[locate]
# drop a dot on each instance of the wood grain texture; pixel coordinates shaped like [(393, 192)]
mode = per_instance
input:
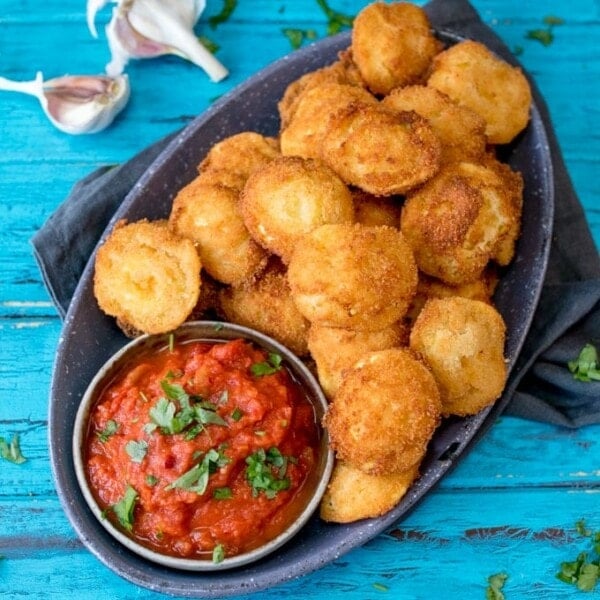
[(511, 505)]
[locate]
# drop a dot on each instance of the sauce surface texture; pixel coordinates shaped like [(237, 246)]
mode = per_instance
[(202, 449)]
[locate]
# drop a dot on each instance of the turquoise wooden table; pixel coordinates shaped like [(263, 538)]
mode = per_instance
[(510, 507)]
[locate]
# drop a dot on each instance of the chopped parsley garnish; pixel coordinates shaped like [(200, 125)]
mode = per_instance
[(237, 413), (267, 367), (380, 587), (136, 450), (151, 480), (12, 452), (223, 493), (336, 21), (545, 36), (495, 584), (110, 428), (124, 508), (196, 479), (297, 37), (226, 11), (265, 472), (584, 571), (211, 46), (586, 367), (218, 554), (164, 413)]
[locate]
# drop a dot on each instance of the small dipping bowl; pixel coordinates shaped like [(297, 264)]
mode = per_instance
[(209, 332)]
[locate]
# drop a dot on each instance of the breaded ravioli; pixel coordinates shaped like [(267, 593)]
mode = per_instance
[(353, 494), (147, 276), (392, 45), (353, 276), (335, 349), (462, 341), (473, 76), (380, 151), (209, 216), (266, 305), (461, 220), (384, 413), (290, 197)]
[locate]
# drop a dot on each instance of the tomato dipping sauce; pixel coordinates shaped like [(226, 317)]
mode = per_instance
[(202, 449)]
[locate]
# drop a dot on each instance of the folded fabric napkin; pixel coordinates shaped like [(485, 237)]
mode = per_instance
[(568, 316)]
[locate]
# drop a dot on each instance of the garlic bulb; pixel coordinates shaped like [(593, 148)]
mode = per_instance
[(76, 103), (150, 28)]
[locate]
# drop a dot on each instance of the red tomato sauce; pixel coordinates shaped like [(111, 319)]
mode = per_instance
[(198, 408)]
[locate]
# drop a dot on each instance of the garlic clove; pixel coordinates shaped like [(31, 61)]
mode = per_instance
[(76, 104), (150, 28)]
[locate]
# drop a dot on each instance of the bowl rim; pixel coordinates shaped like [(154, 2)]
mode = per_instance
[(209, 331)]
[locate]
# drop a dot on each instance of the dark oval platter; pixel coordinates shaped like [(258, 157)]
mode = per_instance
[(89, 337)]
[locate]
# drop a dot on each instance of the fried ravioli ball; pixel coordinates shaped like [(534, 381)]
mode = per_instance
[(380, 151), (266, 305), (460, 130), (384, 413), (292, 196), (460, 220), (303, 134), (335, 350), (241, 153), (475, 77), (462, 341), (353, 494), (392, 45), (147, 277), (375, 210), (353, 276), (342, 71), (209, 216)]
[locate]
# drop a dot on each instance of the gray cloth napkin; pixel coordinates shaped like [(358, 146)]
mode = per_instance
[(568, 316)]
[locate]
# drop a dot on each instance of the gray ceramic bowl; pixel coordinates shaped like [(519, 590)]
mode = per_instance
[(211, 331)]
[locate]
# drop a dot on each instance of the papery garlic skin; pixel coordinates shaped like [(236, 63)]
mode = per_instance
[(76, 104), (150, 28)]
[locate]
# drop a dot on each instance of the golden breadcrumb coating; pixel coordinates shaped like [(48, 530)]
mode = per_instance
[(147, 277), (375, 210), (353, 494), (384, 413), (266, 305), (462, 341), (290, 197), (353, 276), (392, 45), (209, 215), (335, 349), (460, 220), (475, 77), (460, 130), (380, 151)]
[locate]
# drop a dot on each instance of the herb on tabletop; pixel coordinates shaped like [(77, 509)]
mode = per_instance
[(12, 452), (586, 367), (584, 571), (336, 21), (226, 11), (380, 587), (297, 37), (545, 35), (495, 584)]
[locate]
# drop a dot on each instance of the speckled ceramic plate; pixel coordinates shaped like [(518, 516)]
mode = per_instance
[(89, 338)]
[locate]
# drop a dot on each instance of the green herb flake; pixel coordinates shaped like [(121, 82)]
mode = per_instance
[(137, 450), (226, 11), (297, 37), (495, 584), (552, 20), (151, 480), (171, 341), (211, 46), (584, 571), (125, 507), (196, 479), (237, 414), (12, 452), (336, 21), (110, 428), (586, 367), (380, 587), (544, 36), (265, 472), (268, 367), (218, 555), (222, 493)]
